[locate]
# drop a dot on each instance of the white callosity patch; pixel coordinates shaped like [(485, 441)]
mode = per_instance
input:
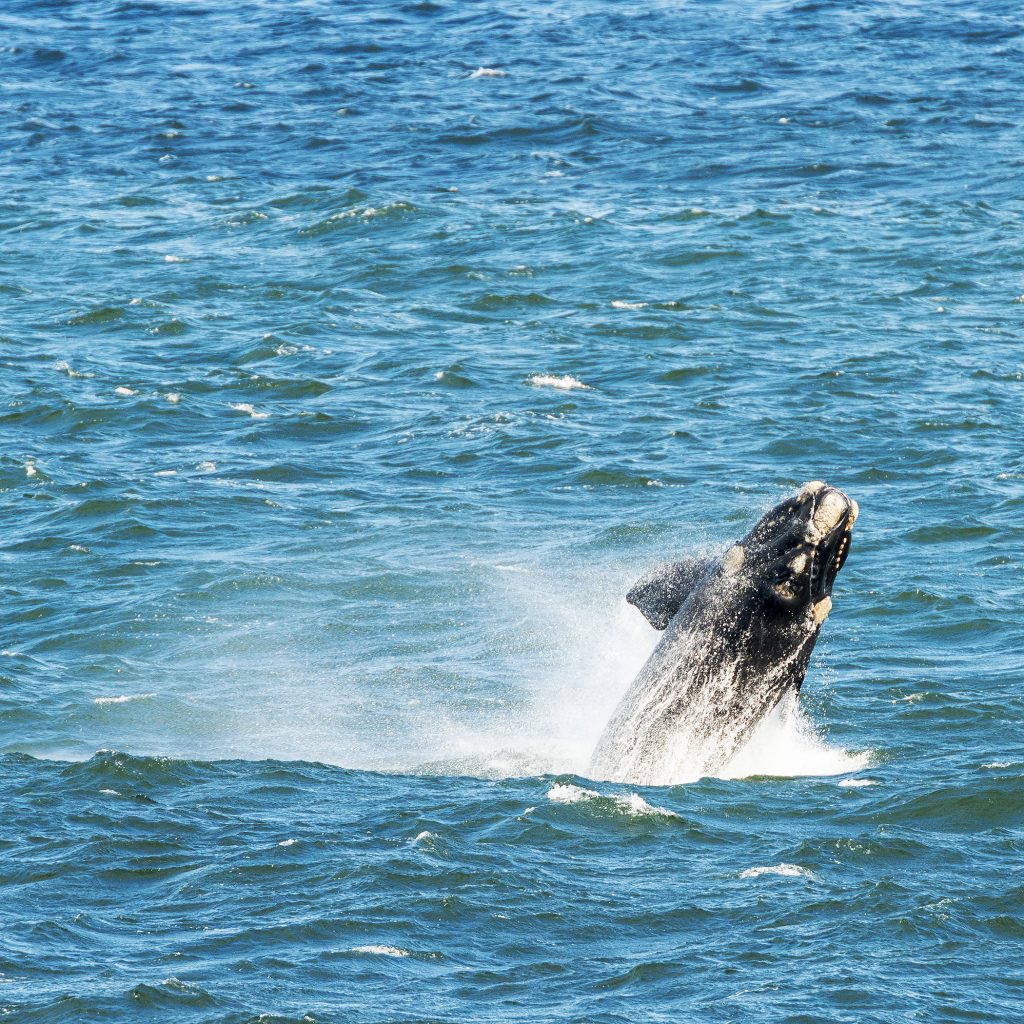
[(828, 512)]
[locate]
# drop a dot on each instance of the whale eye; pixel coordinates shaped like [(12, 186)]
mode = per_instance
[(785, 590)]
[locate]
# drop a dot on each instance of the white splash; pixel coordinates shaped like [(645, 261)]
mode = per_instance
[(564, 383), (622, 304), (124, 698), (173, 397), (380, 950), (488, 73), (124, 391), (787, 744), (287, 842), (785, 870), (857, 783)]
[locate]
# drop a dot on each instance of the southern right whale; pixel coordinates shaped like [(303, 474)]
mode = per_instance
[(739, 631)]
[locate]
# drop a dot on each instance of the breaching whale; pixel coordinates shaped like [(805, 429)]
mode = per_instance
[(739, 631)]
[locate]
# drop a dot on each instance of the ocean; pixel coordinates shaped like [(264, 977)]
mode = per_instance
[(355, 360)]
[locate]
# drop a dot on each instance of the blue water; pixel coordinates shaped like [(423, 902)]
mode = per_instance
[(356, 359)]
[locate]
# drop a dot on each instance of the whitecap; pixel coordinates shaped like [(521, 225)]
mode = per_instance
[(424, 837), (857, 783), (64, 367), (123, 698), (30, 469), (166, 472), (564, 383), (632, 804), (380, 950), (287, 842), (174, 259), (567, 793), (622, 304), (206, 466), (125, 391), (786, 870), (998, 764), (488, 73), (173, 397), (250, 409), (637, 806)]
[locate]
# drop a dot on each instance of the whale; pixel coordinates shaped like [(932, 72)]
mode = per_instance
[(738, 632)]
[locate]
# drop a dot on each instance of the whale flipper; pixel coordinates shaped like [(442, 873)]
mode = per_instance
[(661, 593)]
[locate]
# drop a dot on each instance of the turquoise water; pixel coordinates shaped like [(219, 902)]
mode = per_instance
[(356, 359)]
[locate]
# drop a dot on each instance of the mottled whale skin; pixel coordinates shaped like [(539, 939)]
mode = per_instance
[(739, 632)]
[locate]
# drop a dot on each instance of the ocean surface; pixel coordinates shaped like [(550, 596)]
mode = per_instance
[(355, 359)]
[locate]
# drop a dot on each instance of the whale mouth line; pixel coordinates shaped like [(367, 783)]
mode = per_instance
[(829, 552)]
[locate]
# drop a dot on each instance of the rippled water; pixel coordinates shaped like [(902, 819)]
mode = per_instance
[(355, 360)]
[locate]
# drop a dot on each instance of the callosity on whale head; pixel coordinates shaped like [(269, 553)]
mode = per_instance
[(794, 553), (739, 631)]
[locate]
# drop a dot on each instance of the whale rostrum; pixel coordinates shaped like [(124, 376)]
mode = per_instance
[(738, 636)]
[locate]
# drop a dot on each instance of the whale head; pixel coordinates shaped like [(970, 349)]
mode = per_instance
[(794, 553)]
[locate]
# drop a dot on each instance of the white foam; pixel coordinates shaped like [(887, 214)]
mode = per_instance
[(567, 793), (30, 469), (857, 783), (124, 698), (488, 73), (287, 842), (173, 397), (166, 472), (622, 304), (998, 764), (126, 392), (174, 259), (80, 548), (250, 409), (424, 837), (564, 383), (380, 950), (785, 870), (206, 466), (636, 805), (632, 803)]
